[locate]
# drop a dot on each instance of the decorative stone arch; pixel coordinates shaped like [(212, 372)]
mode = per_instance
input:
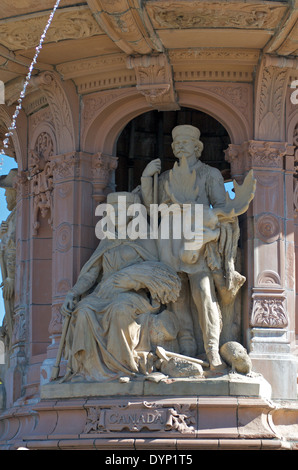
[(109, 116), (291, 128), (211, 99)]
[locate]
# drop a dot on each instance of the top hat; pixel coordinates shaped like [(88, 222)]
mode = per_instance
[(7, 181)]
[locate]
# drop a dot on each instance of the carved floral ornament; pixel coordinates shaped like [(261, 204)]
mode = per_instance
[(269, 311), (269, 302)]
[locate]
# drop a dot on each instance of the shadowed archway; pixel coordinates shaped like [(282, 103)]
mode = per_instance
[(148, 136)]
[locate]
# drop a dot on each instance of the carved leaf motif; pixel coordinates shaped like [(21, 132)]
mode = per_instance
[(269, 313), (181, 419), (93, 420)]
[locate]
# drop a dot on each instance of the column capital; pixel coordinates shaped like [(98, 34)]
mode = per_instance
[(257, 154)]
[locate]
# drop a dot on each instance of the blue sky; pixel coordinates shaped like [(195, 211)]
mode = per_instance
[(7, 164)]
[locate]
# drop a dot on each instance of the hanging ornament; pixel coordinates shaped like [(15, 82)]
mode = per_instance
[(28, 77)]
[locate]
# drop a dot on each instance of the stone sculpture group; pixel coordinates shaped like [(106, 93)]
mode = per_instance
[(150, 308), (146, 307)]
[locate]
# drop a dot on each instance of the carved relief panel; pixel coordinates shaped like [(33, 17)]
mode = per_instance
[(138, 417), (41, 176)]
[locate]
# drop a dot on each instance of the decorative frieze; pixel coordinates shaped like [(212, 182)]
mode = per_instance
[(70, 23), (197, 14)]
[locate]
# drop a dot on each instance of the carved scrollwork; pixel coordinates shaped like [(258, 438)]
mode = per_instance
[(217, 14), (268, 228), (63, 237), (68, 24)]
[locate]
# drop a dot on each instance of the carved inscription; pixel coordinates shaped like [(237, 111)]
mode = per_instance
[(140, 417)]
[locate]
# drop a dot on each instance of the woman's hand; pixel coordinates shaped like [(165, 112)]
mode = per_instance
[(3, 228), (126, 282), (8, 288), (69, 304)]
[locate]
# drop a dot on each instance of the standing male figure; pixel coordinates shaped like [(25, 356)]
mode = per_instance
[(203, 278)]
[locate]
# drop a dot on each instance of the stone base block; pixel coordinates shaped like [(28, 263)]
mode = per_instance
[(222, 385), (275, 366), (271, 357)]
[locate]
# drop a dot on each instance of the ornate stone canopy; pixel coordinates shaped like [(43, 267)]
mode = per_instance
[(89, 42)]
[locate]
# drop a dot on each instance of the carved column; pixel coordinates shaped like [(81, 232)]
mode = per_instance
[(103, 170), (268, 247), (295, 202), (17, 358)]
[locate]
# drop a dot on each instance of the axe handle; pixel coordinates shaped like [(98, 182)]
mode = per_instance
[(56, 367), (155, 188), (190, 359), (7, 303)]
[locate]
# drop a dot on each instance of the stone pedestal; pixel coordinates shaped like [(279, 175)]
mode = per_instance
[(221, 385), (82, 417), (271, 356)]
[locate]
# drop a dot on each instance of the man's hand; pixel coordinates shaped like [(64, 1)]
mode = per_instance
[(152, 168)]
